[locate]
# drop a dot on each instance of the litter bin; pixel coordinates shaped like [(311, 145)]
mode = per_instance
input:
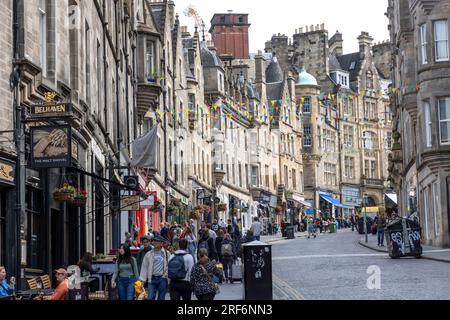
[(404, 238), (290, 232), (257, 271), (80, 294), (332, 227)]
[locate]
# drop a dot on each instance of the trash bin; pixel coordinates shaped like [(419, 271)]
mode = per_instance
[(290, 232), (404, 238), (333, 227), (80, 294), (257, 271), (284, 228)]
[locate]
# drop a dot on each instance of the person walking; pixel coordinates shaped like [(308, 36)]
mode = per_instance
[(207, 242), (155, 270), (311, 228), (228, 256), (381, 225), (6, 289), (202, 277), (179, 271), (192, 243), (125, 274), (256, 228), (146, 242)]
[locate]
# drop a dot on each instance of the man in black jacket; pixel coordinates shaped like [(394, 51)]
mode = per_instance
[(206, 242), (146, 242)]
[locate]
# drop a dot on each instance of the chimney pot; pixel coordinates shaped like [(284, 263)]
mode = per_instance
[(301, 30)]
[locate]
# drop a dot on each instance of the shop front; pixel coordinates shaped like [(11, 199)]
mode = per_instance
[(7, 214), (351, 197), (330, 207), (178, 207)]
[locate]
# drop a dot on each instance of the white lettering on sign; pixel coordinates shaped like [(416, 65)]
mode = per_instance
[(374, 281)]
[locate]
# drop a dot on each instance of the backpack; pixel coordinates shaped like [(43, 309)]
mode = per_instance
[(227, 249), (177, 270)]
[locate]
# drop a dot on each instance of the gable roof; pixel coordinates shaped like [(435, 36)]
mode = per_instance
[(352, 63)]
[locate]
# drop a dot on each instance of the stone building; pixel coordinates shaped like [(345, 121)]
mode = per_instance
[(348, 116), (421, 74), (7, 148), (79, 51)]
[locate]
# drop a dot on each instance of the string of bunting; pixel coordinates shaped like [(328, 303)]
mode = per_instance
[(325, 100)]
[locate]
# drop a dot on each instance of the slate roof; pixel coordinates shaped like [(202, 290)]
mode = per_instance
[(334, 63), (209, 59), (346, 62), (274, 73), (275, 90)]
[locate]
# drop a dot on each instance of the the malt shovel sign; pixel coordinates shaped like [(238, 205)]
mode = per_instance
[(51, 146)]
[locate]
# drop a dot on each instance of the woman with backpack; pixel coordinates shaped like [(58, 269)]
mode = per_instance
[(202, 282), (228, 256), (126, 274)]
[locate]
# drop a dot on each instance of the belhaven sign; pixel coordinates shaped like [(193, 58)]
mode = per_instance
[(52, 109)]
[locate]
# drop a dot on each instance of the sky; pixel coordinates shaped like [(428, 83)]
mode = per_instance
[(267, 18)]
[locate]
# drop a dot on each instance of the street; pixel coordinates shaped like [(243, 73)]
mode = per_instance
[(334, 267)]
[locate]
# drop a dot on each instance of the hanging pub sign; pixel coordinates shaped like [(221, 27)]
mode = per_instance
[(7, 170), (51, 146), (50, 108)]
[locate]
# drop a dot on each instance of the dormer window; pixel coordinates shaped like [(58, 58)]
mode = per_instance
[(353, 65)]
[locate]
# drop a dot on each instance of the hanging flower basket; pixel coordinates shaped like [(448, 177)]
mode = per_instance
[(65, 194), (221, 207), (195, 215), (279, 210), (79, 199)]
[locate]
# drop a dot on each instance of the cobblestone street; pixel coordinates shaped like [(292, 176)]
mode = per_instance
[(334, 266)]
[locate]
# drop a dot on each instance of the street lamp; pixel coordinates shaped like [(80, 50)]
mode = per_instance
[(365, 217)]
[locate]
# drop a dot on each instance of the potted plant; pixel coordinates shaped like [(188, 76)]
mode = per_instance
[(64, 194), (157, 206), (80, 198)]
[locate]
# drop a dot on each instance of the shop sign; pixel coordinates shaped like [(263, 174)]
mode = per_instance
[(130, 203), (50, 108), (51, 146), (6, 172)]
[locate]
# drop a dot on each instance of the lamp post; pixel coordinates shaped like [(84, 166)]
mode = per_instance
[(365, 217)]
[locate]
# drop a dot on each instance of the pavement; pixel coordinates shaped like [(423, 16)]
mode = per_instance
[(429, 253)]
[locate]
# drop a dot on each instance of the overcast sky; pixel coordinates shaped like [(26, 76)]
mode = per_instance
[(350, 17)]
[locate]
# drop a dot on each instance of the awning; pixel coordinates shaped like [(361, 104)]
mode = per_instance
[(301, 201), (334, 202), (393, 197)]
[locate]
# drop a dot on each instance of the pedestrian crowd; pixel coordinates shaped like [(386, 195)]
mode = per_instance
[(182, 261)]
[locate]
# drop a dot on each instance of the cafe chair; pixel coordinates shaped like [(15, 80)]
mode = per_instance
[(46, 282), (32, 283)]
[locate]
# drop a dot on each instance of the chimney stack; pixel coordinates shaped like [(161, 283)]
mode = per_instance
[(365, 44), (336, 44), (260, 68)]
